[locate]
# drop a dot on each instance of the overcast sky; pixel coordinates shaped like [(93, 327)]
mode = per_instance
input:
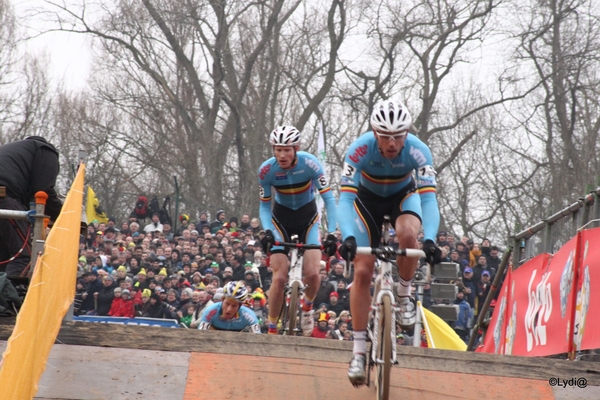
[(69, 54)]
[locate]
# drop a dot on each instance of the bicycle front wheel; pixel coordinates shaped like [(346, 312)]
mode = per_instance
[(384, 350), (293, 314)]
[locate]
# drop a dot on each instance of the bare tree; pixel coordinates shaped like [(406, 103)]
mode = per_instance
[(200, 84), (560, 41)]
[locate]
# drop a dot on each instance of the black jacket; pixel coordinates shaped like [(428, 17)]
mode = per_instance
[(29, 166)]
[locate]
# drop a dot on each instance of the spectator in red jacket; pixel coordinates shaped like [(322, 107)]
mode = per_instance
[(122, 305), (322, 327)]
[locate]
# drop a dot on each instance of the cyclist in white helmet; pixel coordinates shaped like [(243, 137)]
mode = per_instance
[(230, 314), (292, 176), (377, 180)]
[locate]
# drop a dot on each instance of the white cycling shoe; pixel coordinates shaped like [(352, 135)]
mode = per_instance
[(307, 322), (357, 372), (407, 315)]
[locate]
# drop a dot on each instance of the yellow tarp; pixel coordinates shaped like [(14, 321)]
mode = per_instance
[(93, 211), (51, 292), (439, 334)]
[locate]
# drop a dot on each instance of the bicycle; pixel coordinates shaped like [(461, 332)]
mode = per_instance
[(382, 328), (294, 289)]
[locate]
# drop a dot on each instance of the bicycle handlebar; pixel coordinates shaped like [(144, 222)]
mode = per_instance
[(301, 246), (389, 252)]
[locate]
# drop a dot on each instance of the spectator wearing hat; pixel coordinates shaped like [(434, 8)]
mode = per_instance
[(122, 305), (470, 286), (233, 224), (250, 281), (322, 327), (441, 238), (400, 339), (184, 220), (483, 289), (218, 222), (334, 303), (155, 225), (144, 307), (156, 308)]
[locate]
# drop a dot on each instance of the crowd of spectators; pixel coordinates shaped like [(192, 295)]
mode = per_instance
[(129, 271)]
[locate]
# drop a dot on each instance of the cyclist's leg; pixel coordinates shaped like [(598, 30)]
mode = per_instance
[(312, 259), (279, 264), (407, 226)]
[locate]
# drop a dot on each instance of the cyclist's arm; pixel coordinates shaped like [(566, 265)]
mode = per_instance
[(250, 319), (348, 189), (264, 185), (207, 315), (204, 326), (426, 187)]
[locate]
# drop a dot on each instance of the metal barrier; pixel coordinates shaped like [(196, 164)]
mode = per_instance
[(550, 234), (36, 217)]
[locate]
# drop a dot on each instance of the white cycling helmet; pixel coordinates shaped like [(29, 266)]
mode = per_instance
[(236, 290), (390, 116), (285, 136)]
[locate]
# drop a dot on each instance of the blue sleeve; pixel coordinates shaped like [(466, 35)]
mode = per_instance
[(264, 184), (250, 319), (426, 187), (349, 181)]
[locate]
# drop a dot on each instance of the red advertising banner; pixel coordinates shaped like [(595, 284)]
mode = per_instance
[(543, 305), (495, 338), (586, 333)]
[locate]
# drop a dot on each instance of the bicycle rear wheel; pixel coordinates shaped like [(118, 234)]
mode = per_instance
[(384, 351), (293, 308)]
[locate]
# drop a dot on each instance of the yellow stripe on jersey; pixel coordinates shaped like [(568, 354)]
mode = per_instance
[(265, 199), (327, 189), (385, 180), (294, 190), (350, 189)]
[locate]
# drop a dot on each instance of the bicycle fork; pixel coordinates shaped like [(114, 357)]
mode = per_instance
[(377, 309)]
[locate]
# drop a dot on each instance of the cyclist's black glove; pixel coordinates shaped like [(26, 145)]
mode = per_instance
[(348, 249), (433, 254), (267, 241), (330, 245)]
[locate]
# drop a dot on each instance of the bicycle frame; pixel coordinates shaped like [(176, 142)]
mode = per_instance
[(295, 269), (294, 289)]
